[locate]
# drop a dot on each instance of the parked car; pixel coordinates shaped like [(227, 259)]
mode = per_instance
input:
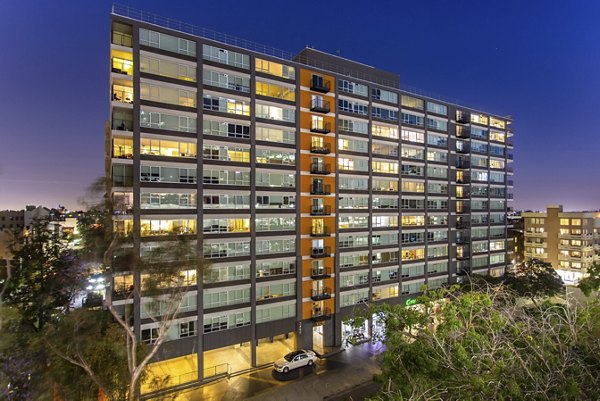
[(295, 360)]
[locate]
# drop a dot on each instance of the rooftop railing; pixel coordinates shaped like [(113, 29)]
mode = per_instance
[(154, 19)]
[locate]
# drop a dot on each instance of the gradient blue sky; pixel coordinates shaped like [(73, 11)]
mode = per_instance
[(536, 60)]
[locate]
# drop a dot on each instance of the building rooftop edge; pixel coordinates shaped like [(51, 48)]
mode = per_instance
[(189, 29)]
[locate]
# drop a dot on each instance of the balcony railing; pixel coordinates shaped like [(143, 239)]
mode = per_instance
[(122, 39), (465, 179), (320, 127), (122, 96), (324, 293), (323, 232), (122, 66), (464, 255), (463, 224), (323, 149), (463, 239), (319, 84), (320, 168), (463, 132), (319, 315), (509, 169), (320, 106), (462, 117), (122, 125), (463, 210), (324, 210), (463, 195), (463, 164), (320, 189), (464, 149), (323, 252), (320, 273)]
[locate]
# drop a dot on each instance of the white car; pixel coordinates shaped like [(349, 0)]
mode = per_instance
[(295, 360)]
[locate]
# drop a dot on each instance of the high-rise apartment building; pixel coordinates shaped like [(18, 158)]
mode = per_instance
[(568, 240), (313, 184)]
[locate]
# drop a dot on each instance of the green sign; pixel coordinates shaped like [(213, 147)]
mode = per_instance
[(410, 302)]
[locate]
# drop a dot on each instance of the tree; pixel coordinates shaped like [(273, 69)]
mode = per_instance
[(592, 282), (485, 344), (93, 358), (163, 287), (46, 275), (533, 279)]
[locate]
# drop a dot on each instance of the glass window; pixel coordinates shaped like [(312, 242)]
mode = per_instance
[(383, 95), (276, 69), (437, 108), (352, 87), (412, 102), (225, 56), (167, 42)]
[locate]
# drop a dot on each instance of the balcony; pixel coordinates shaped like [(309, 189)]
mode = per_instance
[(463, 224), (462, 117), (463, 132), (464, 149), (463, 210), (320, 127), (324, 210), (463, 164), (324, 293), (323, 252), (319, 315), (463, 255), (122, 39), (320, 106), (509, 169), (510, 156), (510, 144), (465, 179), (319, 84), (122, 66), (464, 268), (320, 168), (122, 95), (122, 125), (463, 239), (323, 232), (322, 149), (320, 189), (463, 195), (321, 273), (510, 183)]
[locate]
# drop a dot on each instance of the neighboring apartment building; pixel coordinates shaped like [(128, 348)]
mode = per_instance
[(313, 184), (515, 220), (568, 240), (12, 221)]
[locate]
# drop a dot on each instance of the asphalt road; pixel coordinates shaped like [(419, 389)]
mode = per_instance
[(331, 376)]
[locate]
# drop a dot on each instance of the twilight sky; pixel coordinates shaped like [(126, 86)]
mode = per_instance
[(537, 60)]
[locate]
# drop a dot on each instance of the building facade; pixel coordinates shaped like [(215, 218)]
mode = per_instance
[(568, 240), (313, 184)]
